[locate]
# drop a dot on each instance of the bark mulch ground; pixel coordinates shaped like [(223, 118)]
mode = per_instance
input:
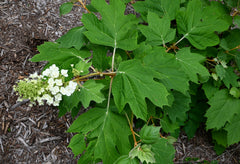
[(36, 134)]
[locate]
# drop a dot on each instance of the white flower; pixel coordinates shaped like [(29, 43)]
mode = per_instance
[(51, 82), (50, 101), (45, 96), (58, 82), (54, 90), (46, 72), (64, 72), (54, 74), (48, 98), (53, 68), (41, 91), (58, 97), (35, 75), (72, 85), (69, 91), (54, 71), (40, 100), (63, 91), (56, 103)]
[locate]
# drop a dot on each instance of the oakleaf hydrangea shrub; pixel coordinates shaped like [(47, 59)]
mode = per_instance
[(146, 78)]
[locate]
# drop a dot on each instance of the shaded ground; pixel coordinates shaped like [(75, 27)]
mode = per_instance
[(37, 135)]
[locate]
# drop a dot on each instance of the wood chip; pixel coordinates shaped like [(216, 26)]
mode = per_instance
[(49, 139)]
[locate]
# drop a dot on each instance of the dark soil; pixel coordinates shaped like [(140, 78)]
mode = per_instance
[(36, 134)]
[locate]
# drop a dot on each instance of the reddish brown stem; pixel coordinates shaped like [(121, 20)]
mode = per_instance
[(131, 128)]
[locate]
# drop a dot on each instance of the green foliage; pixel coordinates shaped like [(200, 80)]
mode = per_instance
[(233, 134), (158, 31), (237, 20), (143, 152), (232, 3), (223, 108), (74, 38), (151, 143), (69, 103), (77, 144), (126, 159), (81, 68), (160, 7), (235, 92), (114, 29), (66, 8), (130, 86), (178, 111), (198, 107), (149, 134), (231, 40), (62, 57), (166, 65), (100, 60), (108, 130), (165, 154), (227, 75), (221, 137), (175, 66), (190, 63), (91, 91), (198, 23)]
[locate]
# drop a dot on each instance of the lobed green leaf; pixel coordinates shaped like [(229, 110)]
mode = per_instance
[(159, 7), (114, 29), (143, 153), (73, 38), (198, 23), (51, 52), (91, 91), (178, 111), (163, 151), (110, 130), (168, 70), (223, 108), (190, 64), (77, 144), (149, 134), (233, 135), (132, 84), (158, 31)]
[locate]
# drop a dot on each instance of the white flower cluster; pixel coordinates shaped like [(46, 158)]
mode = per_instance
[(50, 87)]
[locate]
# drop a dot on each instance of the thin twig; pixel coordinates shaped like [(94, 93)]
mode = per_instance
[(19, 104), (22, 140), (1, 145), (131, 128), (49, 139), (110, 85), (84, 6), (113, 57), (109, 94), (175, 44), (95, 74)]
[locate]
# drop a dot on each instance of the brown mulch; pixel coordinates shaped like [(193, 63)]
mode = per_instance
[(36, 134), (30, 135)]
